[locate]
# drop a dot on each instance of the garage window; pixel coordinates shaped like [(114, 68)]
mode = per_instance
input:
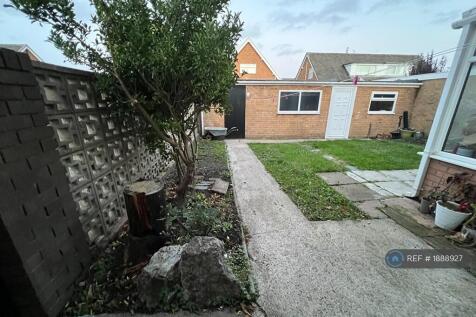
[(248, 69), (383, 102), (299, 102)]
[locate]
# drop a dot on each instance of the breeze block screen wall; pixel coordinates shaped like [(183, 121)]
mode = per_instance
[(64, 160)]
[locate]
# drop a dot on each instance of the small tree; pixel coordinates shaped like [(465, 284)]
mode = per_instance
[(169, 60), (427, 64)]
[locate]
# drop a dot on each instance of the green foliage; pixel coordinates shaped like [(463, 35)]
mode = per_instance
[(294, 167), (168, 60), (427, 64), (239, 264), (196, 218)]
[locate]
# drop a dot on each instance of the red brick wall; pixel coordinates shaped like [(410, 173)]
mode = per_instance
[(263, 120), (213, 119), (426, 102), (248, 55), (302, 74), (438, 172), (363, 122)]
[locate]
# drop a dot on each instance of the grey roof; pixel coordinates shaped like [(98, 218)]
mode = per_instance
[(14, 47), (330, 66)]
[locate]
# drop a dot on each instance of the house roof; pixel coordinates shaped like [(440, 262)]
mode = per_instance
[(330, 66), (248, 41), (21, 48)]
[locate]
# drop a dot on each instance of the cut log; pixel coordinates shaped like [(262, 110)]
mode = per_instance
[(145, 205)]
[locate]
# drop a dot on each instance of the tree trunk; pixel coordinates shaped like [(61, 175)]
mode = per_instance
[(145, 205)]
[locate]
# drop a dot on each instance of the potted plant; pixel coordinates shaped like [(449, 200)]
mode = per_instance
[(454, 203), (407, 133)]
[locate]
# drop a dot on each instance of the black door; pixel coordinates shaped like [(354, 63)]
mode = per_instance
[(236, 116)]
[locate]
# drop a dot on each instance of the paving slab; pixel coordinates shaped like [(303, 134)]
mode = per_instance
[(402, 175), (397, 188), (373, 176), (334, 268), (410, 207), (337, 178), (372, 208), (378, 190), (356, 177), (357, 192)]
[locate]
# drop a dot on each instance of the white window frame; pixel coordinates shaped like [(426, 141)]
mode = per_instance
[(464, 56), (372, 98), (246, 67), (299, 102)]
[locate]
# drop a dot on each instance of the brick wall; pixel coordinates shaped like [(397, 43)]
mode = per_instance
[(248, 55), (303, 71), (438, 172), (43, 247), (363, 123), (213, 119), (426, 102), (263, 120)]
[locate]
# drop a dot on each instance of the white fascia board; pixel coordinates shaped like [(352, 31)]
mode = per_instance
[(322, 83)]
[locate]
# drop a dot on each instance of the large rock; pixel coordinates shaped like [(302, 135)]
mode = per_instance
[(206, 279), (161, 272)]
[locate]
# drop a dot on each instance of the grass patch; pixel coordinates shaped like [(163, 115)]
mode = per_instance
[(294, 167), (373, 154)]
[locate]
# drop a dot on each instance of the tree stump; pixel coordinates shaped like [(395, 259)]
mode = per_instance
[(145, 205)]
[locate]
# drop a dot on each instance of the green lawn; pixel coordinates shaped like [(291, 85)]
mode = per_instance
[(294, 167), (373, 154)]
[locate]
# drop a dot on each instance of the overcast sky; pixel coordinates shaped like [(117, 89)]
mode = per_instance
[(285, 29)]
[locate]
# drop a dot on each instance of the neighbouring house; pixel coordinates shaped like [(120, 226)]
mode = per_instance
[(23, 48), (328, 104), (337, 67), (451, 145), (251, 64)]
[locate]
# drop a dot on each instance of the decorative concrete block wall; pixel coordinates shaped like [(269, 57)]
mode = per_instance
[(43, 246), (65, 158), (101, 151)]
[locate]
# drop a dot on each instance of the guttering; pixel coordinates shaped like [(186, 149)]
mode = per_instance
[(324, 83)]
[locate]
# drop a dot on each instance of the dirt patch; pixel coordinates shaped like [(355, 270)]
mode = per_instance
[(109, 285)]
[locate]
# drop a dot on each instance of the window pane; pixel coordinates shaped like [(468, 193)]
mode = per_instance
[(381, 105), (384, 96), (310, 101), (289, 101), (461, 138)]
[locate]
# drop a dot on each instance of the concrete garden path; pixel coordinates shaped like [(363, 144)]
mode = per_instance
[(334, 268)]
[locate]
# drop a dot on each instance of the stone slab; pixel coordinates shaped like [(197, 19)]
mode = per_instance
[(371, 208), (401, 175), (397, 188), (357, 192), (220, 186), (337, 178), (410, 208), (373, 176), (356, 177), (378, 190)]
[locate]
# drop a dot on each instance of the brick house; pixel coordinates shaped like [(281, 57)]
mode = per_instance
[(23, 48), (451, 145), (325, 103), (251, 64), (291, 109), (345, 66)]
